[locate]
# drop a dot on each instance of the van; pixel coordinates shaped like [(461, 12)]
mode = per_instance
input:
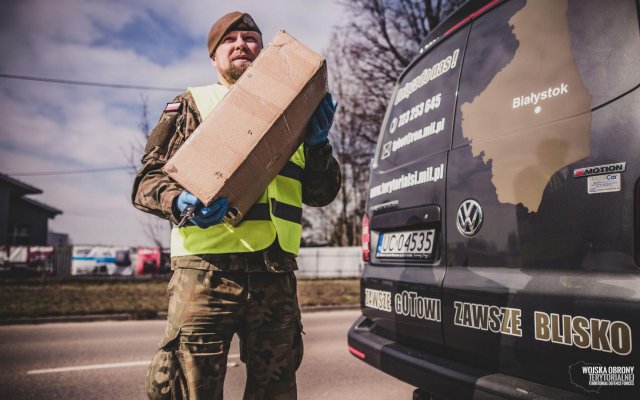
[(501, 238)]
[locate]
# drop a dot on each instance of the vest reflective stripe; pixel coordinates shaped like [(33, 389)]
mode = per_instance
[(292, 170), (286, 211), (285, 198), (259, 212), (277, 213)]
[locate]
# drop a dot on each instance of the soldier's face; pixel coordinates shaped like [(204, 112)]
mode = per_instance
[(235, 53)]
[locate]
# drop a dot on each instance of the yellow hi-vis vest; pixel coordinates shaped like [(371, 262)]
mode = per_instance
[(277, 213)]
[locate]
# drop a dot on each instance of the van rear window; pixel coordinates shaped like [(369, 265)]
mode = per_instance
[(420, 116)]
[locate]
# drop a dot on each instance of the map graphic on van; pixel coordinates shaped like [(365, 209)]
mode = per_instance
[(534, 116)]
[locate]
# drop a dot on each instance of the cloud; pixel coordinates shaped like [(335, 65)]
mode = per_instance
[(55, 127)]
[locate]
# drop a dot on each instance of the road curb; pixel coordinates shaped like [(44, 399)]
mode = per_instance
[(138, 317), (84, 318)]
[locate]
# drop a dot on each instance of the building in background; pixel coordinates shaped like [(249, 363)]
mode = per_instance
[(23, 221), (57, 239)]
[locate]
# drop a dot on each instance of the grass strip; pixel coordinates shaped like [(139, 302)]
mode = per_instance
[(145, 298)]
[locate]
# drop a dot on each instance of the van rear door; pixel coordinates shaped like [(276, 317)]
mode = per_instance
[(401, 286), (541, 281)]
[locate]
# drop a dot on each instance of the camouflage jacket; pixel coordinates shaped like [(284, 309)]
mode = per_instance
[(154, 192)]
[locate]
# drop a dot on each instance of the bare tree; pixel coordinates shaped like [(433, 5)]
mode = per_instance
[(154, 228), (366, 58), (136, 148)]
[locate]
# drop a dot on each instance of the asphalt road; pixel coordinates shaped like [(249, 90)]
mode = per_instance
[(108, 360)]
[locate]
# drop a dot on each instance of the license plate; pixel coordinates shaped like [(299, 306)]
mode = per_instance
[(406, 244)]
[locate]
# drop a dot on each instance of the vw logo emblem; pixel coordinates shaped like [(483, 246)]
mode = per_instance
[(469, 218)]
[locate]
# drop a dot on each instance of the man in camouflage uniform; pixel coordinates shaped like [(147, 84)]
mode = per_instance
[(214, 295)]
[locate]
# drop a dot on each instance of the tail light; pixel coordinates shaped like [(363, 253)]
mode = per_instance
[(366, 236), (356, 353)]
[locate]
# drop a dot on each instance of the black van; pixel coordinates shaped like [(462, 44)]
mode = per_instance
[(502, 235)]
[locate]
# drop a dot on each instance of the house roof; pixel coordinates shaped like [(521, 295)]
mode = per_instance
[(23, 189), (19, 186), (49, 209)]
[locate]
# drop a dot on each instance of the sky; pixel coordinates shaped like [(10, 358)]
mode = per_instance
[(51, 127)]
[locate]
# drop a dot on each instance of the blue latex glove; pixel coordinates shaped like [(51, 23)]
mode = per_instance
[(205, 216), (321, 121)]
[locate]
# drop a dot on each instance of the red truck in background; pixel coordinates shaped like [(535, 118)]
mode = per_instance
[(148, 261)]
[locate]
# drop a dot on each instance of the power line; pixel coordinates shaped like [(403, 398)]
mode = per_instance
[(86, 83), (73, 172)]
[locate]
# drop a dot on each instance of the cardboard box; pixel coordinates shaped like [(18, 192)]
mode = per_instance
[(254, 130)]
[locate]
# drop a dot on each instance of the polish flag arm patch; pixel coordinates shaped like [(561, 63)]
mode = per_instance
[(173, 107)]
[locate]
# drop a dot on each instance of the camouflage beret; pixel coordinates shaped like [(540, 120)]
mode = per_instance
[(234, 21)]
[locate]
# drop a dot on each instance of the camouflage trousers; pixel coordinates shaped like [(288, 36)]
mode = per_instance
[(206, 308)]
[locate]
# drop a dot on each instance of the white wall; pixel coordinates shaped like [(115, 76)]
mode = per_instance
[(329, 262)]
